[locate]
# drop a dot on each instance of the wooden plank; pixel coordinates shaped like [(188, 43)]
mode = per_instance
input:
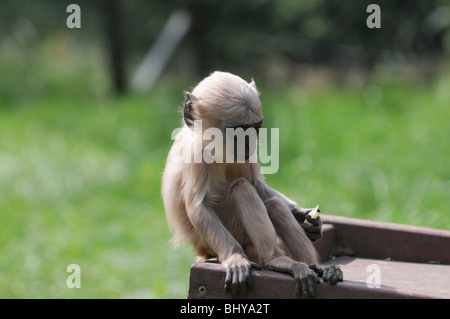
[(406, 278), (381, 240), (397, 280), (207, 281), (326, 244)]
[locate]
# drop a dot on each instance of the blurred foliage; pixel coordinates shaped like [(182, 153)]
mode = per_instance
[(79, 183), (315, 30), (236, 34)]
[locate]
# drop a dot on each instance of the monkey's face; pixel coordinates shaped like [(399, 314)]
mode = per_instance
[(243, 137), (227, 102)]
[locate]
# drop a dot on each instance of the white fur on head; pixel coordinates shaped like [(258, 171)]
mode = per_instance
[(225, 96)]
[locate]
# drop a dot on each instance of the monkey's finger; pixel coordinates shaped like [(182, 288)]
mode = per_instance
[(249, 279), (313, 230), (330, 273), (313, 236), (341, 275), (241, 288), (327, 276), (313, 267), (311, 291), (255, 266), (304, 282), (332, 277), (235, 287), (228, 279), (298, 284), (324, 272), (299, 216), (318, 271), (316, 278), (242, 284), (298, 287), (315, 221)]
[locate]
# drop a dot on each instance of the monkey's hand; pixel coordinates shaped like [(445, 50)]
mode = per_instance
[(314, 231), (331, 274), (238, 276), (305, 278)]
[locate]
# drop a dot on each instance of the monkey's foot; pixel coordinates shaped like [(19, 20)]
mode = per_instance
[(305, 279), (331, 274), (238, 277)]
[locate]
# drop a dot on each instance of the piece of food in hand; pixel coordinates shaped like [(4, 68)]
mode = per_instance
[(314, 214)]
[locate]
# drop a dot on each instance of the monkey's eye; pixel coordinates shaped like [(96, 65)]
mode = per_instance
[(244, 127), (258, 127)]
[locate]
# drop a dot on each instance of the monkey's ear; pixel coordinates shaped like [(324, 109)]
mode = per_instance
[(253, 84), (188, 111)]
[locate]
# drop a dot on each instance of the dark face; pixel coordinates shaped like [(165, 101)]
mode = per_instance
[(249, 133)]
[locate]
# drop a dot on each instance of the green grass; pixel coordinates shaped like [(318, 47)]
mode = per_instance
[(80, 173), (387, 161), (82, 186)]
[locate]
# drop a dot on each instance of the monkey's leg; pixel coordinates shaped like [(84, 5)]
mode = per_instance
[(314, 232), (297, 243), (229, 251), (257, 224), (291, 233), (253, 218)]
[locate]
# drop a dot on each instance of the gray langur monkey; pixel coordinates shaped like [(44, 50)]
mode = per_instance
[(226, 210)]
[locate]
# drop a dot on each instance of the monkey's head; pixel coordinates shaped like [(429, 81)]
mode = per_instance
[(223, 100)]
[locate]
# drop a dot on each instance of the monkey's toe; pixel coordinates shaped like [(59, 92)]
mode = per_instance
[(332, 274)]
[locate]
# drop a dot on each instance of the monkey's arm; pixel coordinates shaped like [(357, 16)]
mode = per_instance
[(230, 253), (313, 232)]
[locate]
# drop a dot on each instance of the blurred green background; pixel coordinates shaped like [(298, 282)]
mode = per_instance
[(363, 115)]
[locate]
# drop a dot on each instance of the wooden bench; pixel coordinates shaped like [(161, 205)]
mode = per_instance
[(410, 261)]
